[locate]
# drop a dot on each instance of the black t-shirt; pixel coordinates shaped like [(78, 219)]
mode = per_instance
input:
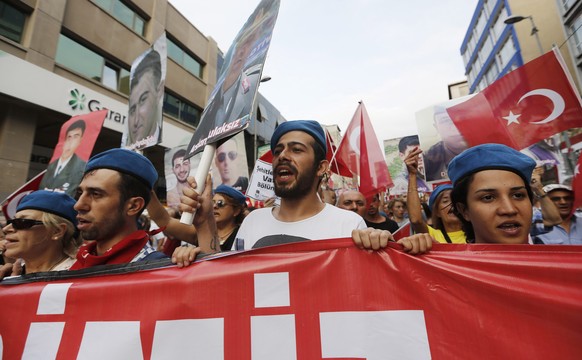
[(389, 225)]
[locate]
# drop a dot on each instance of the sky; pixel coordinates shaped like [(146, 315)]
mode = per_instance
[(326, 55)]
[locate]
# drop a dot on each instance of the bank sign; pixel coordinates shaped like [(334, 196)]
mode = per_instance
[(36, 85), (81, 103)]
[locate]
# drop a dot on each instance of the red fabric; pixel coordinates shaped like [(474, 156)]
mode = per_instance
[(577, 185), (10, 204), (120, 253), (481, 119), (336, 165), (478, 301), (359, 149), (402, 232)]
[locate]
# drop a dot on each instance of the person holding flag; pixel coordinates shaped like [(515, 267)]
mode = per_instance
[(299, 163)]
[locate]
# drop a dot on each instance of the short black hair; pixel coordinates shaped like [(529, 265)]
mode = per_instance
[(178, 154), (129, 187), (79, 124), (151, 62), (407, 141)]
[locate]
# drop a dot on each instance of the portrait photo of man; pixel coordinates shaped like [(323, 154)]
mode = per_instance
[(231, 164), (65, 173), (405, 146), (181, 170)]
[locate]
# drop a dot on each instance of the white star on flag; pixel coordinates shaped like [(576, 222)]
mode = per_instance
[(577, 170), (512, 118)]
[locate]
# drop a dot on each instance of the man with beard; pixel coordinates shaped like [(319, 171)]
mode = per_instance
[(181, 168), (113, 193), (299, 163)]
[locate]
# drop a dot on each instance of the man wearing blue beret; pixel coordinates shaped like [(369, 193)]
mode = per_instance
[(113, 193), (299, 163)]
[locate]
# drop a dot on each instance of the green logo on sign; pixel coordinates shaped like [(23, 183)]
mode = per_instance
[(77, 100)]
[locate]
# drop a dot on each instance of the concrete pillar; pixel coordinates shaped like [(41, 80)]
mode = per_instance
[(17, 128)]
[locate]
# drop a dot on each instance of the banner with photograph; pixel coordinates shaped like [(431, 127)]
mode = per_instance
[(232, 101), (143, 127), (309, 300), (177, 169), (76, 141), (230, 164), (396, 151)]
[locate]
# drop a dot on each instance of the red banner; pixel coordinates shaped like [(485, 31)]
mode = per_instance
[(312, 300)]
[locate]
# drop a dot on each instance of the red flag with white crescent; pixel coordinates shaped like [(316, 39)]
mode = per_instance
[(523, 107), (361, 152)]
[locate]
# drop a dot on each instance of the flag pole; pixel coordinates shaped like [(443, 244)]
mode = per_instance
[(200, 176)]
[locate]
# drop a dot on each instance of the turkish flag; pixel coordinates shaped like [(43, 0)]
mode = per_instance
[(10, 204), (525, 106), (577, 186), (336, 165), (360, 151)]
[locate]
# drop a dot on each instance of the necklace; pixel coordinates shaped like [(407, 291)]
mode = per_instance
[(225, 236)]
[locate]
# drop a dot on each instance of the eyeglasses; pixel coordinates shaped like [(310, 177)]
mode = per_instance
[(23, 224), (231, 155), (220, 203)]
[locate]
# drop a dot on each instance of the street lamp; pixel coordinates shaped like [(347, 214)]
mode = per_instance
[(534, 30)]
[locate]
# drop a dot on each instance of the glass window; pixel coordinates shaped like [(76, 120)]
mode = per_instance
[(123, 13), (11, 22), (576, 31), (487, 48), (499, 25), (568, 3), (68, 54), (181, 110), (110, 77), (180, 56), (480, 25), (507, 51), (93, 65)]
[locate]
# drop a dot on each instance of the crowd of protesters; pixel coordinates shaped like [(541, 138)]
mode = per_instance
[(495, 196)]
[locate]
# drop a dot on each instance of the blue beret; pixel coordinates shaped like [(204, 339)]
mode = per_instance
[(236, 195), (56, 203), (127, 162), (439, 189), (311, 127), (490, 157)]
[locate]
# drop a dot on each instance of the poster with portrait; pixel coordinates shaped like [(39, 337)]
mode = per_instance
[(230, 164), (233, 99), (395, 151), (76, 141), (440, 140), (177, 169), (143, 127)]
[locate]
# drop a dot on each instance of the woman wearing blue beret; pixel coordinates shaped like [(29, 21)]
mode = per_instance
[(492, 193), (43, 233)]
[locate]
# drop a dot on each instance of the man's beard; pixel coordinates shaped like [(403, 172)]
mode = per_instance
[(301, 187)]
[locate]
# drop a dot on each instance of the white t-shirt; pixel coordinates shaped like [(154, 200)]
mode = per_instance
[(260, 228)]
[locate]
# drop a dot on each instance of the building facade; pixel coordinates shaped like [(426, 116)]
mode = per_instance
[(491, 48), (571, 17), (68, 57)]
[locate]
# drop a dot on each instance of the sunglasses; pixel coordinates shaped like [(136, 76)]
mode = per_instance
[(231, 155), (23, 224), (220, 203)]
